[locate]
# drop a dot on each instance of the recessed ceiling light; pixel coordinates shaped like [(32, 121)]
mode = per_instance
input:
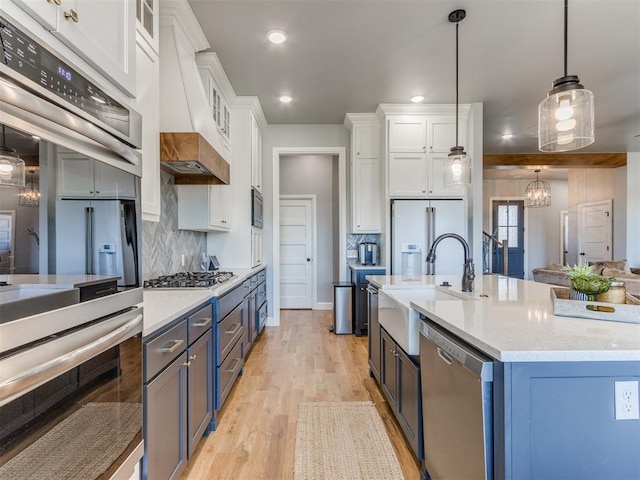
[(285, 99), (417, 98), (277, 36), (507, 136)]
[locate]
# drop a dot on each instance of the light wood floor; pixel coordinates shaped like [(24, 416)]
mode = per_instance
[(300, 361)]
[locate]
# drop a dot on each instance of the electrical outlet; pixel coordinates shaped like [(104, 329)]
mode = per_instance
[(626, 400), (352, 254)]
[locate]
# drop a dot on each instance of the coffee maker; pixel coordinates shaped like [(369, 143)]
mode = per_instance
[(368, 253)]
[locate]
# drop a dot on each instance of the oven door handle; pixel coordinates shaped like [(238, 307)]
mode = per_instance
[(23, 382)]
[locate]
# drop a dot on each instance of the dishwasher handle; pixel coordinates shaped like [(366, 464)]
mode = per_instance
[(450, 348)]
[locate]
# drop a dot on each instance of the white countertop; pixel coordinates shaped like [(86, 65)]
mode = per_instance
[(63, 281), (515, 321), (164, 305)]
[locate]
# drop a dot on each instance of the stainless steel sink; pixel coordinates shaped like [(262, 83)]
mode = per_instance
[(18, 301)]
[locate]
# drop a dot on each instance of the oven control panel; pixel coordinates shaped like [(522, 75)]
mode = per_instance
[(26, 56)]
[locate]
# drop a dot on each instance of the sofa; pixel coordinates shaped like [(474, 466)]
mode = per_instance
[(554, 274)]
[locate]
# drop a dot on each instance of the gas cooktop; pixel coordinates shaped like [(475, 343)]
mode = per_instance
[(189, 280)]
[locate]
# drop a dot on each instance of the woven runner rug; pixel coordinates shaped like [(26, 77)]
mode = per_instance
[(343, 441), (80, 447)]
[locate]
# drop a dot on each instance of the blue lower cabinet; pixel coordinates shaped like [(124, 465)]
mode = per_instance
[(178, 393), (557, 420)]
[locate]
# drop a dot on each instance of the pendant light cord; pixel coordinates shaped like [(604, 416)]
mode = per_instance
[(566, 36), (457, 23)]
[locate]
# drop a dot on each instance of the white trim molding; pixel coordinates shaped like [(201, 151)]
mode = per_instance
[(341, 153)]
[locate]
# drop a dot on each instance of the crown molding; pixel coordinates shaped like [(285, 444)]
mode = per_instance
[(179, 13), (251, 103)]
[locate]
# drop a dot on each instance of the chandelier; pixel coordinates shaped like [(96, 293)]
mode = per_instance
[(538, 193), (29, 195)]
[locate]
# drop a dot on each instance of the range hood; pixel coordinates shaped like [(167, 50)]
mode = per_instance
[(189, 144), (192, 160)]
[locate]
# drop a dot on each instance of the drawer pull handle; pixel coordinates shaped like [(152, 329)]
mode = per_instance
[(235, 365), (237, 328), (443, 355), (71, 15), (203, 323), (173, 346)]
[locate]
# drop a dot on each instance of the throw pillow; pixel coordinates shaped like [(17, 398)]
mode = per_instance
[(617, 273)]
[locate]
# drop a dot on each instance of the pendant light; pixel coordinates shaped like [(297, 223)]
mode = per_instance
[(11, 165), (458, 164), (29, 196), (566, 117), (537, 194)]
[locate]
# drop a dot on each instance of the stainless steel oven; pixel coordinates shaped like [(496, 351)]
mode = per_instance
[(70, 273)]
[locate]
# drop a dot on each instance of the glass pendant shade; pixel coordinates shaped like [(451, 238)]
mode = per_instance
[(566, 117), (457, 168), (29, 196), (537, 194), (11, 168)]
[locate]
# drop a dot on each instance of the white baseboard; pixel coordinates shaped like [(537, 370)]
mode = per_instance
[(323, 306), (272, 322)]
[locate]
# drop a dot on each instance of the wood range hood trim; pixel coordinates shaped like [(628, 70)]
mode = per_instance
[(182, 147)]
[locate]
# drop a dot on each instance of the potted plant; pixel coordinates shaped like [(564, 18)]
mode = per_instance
[(585, 284)]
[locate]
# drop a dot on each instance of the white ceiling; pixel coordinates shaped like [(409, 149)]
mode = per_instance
[(350, 55)]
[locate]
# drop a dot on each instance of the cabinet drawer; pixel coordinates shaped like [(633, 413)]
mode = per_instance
[(262, 276), (199, 323), (261, 294), (254, 281), (227, 373), (228, 331), (161, 350), (230, 300)]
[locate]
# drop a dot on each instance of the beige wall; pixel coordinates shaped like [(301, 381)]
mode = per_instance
[(593, 185), (542, 225)]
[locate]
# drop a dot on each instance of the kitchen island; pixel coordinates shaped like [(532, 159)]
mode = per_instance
[(553, 394)]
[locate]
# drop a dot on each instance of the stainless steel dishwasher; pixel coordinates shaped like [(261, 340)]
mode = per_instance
[(457, 403)]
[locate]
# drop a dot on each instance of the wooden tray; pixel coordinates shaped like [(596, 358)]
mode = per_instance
[(615, 312)]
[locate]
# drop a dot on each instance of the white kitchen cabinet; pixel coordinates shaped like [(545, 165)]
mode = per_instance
[(43, 11), (204, 208), (366, 201), (366, 195), (256, 155), (147, 14), (408, 175), (441, 135), (213, 80), (102, 32), (436, 172), (256, 246), (148, 104), (365, 140), (82, 177), (408, 134)]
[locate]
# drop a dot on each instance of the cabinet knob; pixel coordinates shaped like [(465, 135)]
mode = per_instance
[(90, 191), (186, 364), (192, 357), (424, 191), (308, 259), (57, 2), (71, 14), (97, 191), (424, 148), (357, 154)]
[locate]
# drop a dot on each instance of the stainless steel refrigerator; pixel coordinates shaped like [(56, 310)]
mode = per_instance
[(105, 230), (415, 224)]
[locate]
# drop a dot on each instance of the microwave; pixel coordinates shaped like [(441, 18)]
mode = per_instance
[(256, 208)]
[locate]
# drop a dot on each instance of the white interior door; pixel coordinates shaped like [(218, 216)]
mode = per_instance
[(7, 235), (595, 227), (296, 245)]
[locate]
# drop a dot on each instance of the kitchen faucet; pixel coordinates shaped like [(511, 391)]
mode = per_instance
[(468, 274)]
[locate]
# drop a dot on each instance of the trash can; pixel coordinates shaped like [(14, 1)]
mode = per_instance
[(342, 308)]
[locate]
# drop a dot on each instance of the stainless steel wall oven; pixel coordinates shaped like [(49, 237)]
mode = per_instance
[(70, 273)]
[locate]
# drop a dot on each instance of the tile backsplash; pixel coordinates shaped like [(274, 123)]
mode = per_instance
[(352, 244), (163, 244)]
